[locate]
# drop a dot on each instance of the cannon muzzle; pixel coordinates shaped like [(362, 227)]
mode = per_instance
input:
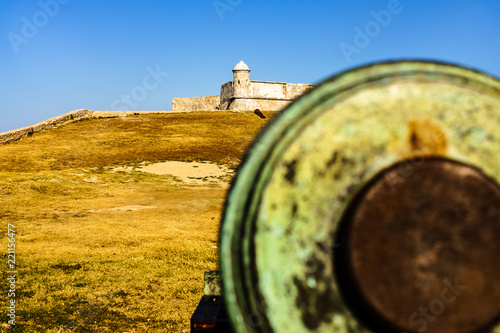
[(371, 204)]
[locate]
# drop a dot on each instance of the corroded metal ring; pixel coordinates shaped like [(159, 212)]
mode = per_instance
[(328, 182)]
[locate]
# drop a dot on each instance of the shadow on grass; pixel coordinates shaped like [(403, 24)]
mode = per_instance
[(82, 316)]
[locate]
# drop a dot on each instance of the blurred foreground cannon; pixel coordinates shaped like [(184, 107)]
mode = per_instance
[(371, 204)]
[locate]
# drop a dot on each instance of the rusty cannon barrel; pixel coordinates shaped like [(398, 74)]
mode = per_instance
[(371, 204)]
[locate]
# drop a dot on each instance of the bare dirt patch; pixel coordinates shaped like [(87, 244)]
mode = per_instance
[(190, 173), (122, 208)]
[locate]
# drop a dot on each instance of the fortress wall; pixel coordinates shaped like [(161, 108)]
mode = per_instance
[(196, 103), (261, 89), (226, 93), (69, 117), (294, 90), (277, 90)]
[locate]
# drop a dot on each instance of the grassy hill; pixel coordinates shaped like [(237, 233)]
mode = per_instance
[(101, 250)]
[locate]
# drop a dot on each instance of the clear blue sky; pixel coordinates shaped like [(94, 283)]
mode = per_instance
[(61, 55)]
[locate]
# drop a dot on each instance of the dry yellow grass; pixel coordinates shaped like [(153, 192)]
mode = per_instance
[(101, 251), (209, 136)]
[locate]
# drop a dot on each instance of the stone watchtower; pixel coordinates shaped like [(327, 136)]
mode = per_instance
[(241, 83), (241, 94)]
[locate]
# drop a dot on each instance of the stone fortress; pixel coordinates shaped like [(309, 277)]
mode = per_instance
[(242, 94)]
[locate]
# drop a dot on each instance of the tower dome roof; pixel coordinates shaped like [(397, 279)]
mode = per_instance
[(241, 66)]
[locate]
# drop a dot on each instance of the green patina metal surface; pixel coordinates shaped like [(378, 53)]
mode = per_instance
[(284, 207), (213, 284)]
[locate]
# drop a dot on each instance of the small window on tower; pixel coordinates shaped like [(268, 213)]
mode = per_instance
[(238, 81)]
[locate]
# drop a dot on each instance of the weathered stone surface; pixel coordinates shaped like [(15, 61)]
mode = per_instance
[(226, 93), (202, 103), (20, 133)]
